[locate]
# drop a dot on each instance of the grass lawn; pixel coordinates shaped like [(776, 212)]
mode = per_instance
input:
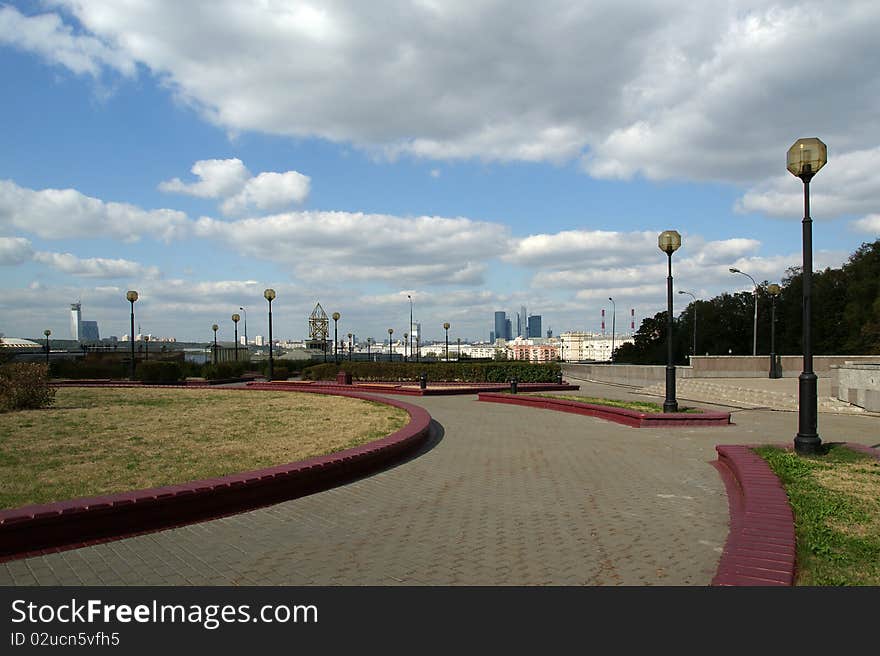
[(836, 503), (101, 441), (638, 406)]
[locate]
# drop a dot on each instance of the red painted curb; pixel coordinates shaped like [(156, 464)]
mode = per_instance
[(760, 548), (435, 389), (67, 524), (623, 416)]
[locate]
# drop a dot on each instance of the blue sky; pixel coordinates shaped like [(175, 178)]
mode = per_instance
[(473, 156)]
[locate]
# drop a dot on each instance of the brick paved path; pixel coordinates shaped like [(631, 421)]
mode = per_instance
[(505, 495)]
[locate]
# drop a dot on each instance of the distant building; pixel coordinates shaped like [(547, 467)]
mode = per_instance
[(534, 327), (500, 325), (491, 336), (508, 329), (75, 320), (89, 331), (258, 340)]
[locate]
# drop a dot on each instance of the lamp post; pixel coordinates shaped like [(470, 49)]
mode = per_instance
[(214, 328), (418, 348), (349, 347), (561, 348), (336, 316), (446, 328), (681, 291), (245, 326), (755, 327), (146, 347), (269, 295), (132, 296), (613, 321), (458, 349), (409, 337), (235, 319), (805, 158), (669, 241), (390, 352), (405, 343), (369, 343), (47, 332), (774, 291)]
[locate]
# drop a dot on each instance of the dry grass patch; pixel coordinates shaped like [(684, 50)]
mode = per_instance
[(102, 441)]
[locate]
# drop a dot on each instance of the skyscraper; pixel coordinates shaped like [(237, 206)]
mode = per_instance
[(75, 319), (89, 331), (522, 326), (508, 330), (500, 325), (534, 328)]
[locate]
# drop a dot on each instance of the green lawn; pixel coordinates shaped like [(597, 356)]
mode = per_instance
[(638, 406)]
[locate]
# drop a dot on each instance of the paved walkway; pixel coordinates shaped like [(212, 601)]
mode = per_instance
[(503, 495)]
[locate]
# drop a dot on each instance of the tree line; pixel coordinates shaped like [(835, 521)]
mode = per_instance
[(845, 317)]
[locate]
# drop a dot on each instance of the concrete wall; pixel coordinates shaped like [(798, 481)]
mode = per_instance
[(858, 384), (641, 375)]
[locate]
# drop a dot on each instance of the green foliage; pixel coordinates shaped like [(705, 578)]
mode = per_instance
[(25, 386), (158, 371), (84, 368), (280, 373), (469, 372), (223, 370), (845, 317)]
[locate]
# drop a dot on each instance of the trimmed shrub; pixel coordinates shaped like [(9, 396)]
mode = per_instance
[(157, 371), (82, 369), (223, 370), (280, 373), (25, 386), (468, 372)]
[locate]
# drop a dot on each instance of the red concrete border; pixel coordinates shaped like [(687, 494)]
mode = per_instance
[(65, 524), (760, 548), (406, 389), (631, 418)]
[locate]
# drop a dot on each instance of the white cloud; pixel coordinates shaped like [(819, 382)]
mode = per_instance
[(699, 90), (15, 250), (48, 36), (230, 181), (869, 224), (95, 267), (848, 184), (354, 246), (66, 213)]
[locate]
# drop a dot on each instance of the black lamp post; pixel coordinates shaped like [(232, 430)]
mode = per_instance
[(146, 347), (409, 337), (390, 352), (774, 291), (804, 160), (47, 332), (681, 291), (132, 296), (458, 349), (214, 328), (243, 309), (235, 319), (446, 328), (613, 327), (755, 327), (669, 242), (349, 347), (269, 295), (405, 344), (336, 316), (369, 343), (418, 348)]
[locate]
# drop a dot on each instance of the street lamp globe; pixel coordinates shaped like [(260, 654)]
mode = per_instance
[(269, 294), (131, 296), (806, 157), (669, 241), (47, 332)]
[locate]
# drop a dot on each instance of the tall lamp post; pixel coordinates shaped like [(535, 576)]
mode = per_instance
[(132, 296), (336, 316), (613, 321), (755, 327), (350, 345), (681, 291), (390, 352), (47, 332), (669, 241), (446, 328), (235, 319), (774, 291), (805, 158), (458, 349), (405, 343), (245, 326), (146, 347), (409, 336), (269, 295), (214, 327), (369, 343)]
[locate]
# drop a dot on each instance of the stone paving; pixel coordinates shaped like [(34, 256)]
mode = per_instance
[(503, 495)]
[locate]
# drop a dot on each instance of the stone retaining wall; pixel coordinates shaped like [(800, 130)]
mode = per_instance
[(858, 384)]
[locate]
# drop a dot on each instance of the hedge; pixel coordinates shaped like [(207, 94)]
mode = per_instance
[(466, 372), (157, 371), (25, 386)]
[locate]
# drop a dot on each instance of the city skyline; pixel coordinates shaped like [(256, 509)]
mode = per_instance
[(466, 157)]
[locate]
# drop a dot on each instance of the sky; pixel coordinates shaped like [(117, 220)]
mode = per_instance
[(472, 156)]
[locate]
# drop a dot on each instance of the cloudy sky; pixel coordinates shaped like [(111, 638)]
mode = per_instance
[(477, 156)]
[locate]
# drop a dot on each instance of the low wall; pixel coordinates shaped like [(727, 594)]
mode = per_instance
[(713, 366), (858, 384), (758, 366)]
